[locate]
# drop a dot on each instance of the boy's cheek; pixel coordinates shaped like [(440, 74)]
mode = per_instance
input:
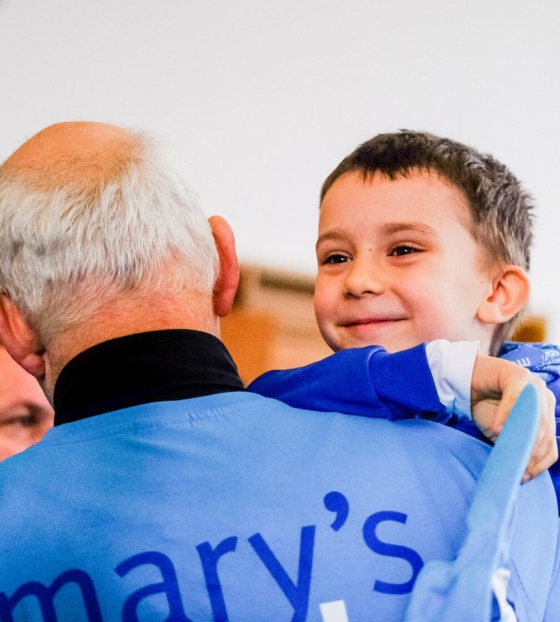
[(327, 330)]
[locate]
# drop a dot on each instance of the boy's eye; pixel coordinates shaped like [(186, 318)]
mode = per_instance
[(403, 249), (335, 259)]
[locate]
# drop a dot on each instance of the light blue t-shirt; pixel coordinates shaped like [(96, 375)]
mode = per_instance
[(237, 507)]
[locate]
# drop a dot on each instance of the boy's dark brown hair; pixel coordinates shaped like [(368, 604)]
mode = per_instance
[(501, 209)]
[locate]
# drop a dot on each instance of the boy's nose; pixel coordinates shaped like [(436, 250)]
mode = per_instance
[(363, 279)]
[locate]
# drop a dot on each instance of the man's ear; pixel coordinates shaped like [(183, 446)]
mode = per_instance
[(228, 278), (508, 295), (20, 340)]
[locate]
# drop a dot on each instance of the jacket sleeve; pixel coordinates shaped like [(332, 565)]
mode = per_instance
[(360, 381), (542, 359)]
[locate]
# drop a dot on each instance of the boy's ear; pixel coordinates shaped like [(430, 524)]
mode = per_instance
[(20, 340), (509, 293), (228, 278)]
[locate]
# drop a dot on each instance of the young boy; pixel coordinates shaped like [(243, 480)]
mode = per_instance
[(421, 238)]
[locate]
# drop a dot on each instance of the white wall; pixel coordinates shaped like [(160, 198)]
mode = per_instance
[(261, 99)]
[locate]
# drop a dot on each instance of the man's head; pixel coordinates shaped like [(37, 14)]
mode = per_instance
[(25, 413), (445, 231), (98, 230)]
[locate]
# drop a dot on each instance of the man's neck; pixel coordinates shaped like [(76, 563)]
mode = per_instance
[(192, 310), (155, 366)]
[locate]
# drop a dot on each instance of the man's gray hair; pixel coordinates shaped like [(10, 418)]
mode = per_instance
[(66, 248)]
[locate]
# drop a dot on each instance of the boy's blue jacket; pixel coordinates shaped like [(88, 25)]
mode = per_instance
[(543, 360), (372, 383)]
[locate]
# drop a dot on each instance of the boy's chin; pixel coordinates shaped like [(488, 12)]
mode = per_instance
[(391, 345)]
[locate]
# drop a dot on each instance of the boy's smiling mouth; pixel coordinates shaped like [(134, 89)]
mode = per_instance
[(371, 321), (366, 331), (366, 328)]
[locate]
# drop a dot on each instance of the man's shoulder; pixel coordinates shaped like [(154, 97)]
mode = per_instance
[(250, 411)]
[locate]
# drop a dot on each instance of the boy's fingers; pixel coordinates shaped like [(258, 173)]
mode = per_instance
[(541, 462), (543, 456), (510, 394), (545, 451), (495, 387)]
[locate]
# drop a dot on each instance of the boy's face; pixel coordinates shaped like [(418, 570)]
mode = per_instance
[(398, 264)]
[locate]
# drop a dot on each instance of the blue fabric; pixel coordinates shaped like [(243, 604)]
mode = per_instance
[(233, 506), (360, 381), (372, 383), (543, 360), (443, 589)]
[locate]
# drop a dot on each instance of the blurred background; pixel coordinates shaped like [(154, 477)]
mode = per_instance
[(260, 100)]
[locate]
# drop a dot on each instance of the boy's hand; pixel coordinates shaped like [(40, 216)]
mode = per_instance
[(495, 386)]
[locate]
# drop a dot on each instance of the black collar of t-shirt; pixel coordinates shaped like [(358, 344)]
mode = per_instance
[(141, 368)]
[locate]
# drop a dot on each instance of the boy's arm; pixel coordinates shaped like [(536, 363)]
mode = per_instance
[(373, 383)]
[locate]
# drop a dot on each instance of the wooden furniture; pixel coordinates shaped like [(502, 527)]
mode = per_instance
[(272, 325), (530, 328)]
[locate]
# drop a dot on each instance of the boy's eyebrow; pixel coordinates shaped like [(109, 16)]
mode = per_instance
[(335, 234), (398, 227), (387, 229)]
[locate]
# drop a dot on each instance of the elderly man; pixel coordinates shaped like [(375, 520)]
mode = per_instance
[(165, 491)]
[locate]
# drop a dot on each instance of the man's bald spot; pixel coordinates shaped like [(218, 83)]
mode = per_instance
[(74, 153)]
